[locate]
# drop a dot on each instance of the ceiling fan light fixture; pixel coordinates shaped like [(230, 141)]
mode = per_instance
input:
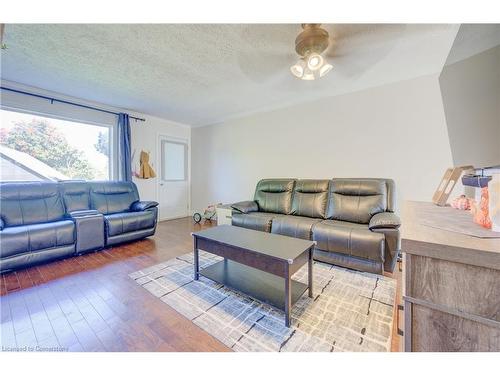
[(309, 76), (325, 69), (310, 44), (314, 61), (298, 69)]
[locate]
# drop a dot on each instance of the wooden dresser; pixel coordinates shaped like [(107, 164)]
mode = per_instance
[(451, 289)]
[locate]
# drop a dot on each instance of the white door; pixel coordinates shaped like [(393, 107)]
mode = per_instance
[(173, 188)]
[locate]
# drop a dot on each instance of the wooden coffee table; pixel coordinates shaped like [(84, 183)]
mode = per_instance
[(256, 263)]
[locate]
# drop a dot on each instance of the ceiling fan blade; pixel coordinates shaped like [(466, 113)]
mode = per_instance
[(354, 49), (266, 50)]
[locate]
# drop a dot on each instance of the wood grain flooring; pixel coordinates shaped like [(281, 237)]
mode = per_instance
[(88, 303)]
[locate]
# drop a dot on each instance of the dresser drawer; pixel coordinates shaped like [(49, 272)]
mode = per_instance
[(450, 306)]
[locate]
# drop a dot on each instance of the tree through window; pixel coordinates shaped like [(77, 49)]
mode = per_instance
[(33, 147)]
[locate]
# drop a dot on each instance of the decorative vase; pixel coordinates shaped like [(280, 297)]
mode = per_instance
[(481, 210), (494, 205)]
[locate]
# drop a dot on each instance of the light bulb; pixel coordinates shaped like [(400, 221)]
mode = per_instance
[(314, 61), (311, 67), (297, 70), (308, 76), (325, 69)]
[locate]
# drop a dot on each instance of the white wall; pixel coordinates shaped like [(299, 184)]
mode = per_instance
[(471, 97), (396, 131), (144, 134)]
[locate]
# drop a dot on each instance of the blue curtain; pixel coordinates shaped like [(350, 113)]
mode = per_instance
[(124, 152)]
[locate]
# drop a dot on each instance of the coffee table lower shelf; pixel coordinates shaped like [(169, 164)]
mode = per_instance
[(263, 286)]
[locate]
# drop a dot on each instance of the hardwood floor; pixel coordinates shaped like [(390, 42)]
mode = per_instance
[(88, 303)]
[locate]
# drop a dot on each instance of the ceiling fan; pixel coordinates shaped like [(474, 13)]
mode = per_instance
[(352, 50), (310, 44)]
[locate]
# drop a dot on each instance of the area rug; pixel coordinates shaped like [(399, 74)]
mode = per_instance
[(351, 311)]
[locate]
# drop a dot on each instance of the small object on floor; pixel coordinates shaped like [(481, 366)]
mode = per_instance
[(209, 214), (196, 217)]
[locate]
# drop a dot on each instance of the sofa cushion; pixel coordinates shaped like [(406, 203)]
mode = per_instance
[(347, 261), (111, 197), (143, 205), (34, 237), (245, 207), (27, 203), (254, 220), (82, 213), (274, 195), (76, 195), (385, 220), (125, 222), (310, 198), (356, 200), (350, 239), (294, 226)]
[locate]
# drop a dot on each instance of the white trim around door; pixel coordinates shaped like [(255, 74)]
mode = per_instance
[(174, 182)]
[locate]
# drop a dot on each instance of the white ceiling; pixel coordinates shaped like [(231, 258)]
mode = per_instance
[(204, 74)]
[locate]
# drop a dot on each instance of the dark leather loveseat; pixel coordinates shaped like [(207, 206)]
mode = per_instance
[(352, 220), (42, 221)]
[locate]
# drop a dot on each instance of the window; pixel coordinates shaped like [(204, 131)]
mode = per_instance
[(173, 161), (35, 148)]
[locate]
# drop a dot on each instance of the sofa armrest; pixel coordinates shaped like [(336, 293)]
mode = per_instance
[(245, 207), (392, 246), (142, 205), (384, 220), (82, 213)]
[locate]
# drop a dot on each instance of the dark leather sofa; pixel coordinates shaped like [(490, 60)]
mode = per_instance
[(352, 220), (42, 221)]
